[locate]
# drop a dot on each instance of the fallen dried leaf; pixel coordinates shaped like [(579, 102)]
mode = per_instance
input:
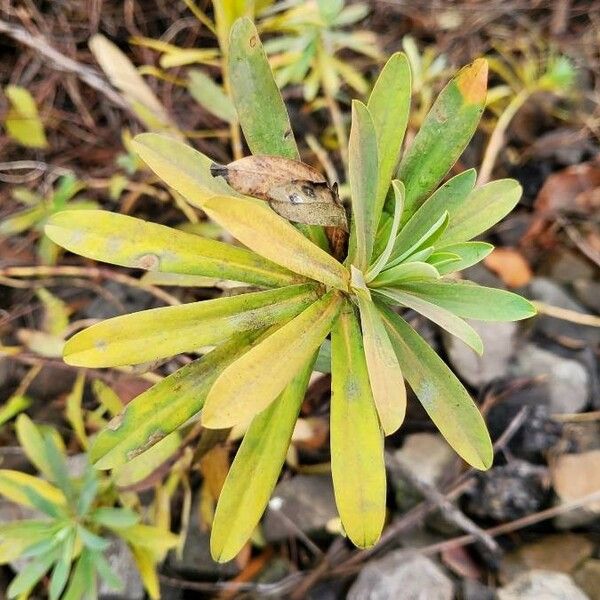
[(510, 265)]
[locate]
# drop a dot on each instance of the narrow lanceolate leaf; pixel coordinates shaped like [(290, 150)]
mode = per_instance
[(389, 105), (261, 111), (380, 263), (211, 96), (440, 316), (357, 464), (448, 198), (180, 166), (442, 395), (445, 133), (363, 174), (252, 382), (484, 207), (21, 487), (160, 332), (163, 408), (385, 375), (471, 301), (259, 228), (255, 470), (130, 242), (409, 271), (470, 254)]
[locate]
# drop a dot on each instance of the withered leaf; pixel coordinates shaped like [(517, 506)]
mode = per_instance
[(293, 189)]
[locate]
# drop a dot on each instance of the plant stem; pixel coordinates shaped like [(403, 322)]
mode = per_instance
[(497, 138)]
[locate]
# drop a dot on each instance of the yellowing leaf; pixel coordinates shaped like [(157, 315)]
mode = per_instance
[(15, 485), (159, 332), (357, 463), (22, 122), (442, 395), (32, 442), (252, 382), (259, 228), (385, 375), (255, 470), (130, 242), (74, 410)]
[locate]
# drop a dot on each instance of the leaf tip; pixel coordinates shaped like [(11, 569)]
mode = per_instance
[(472, 81)]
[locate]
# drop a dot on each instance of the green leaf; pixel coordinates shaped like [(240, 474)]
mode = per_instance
[(13, 406), (32, 441), (22, 220), (448, 198), (254, 224), (17, 536), (385, 375), (442, 395), (404, 272), (446, 131), (130, 242), (470, 254), (62, 568), (260, 108), (27, 579), (440, 316), (253, 381), (442, 259), (380, 263), (22, 121), (115, 518), (107, 573), (471, 301), (363, 169), (155, 539), (167, 405), (484, 207), (107, 397), (19, 487), (255, 470), (83, 579), (160, 332), (389, 105), (210, 96), (91, 540), (357, 464)]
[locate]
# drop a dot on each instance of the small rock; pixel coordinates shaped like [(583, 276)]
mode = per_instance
[(473, 590), (575, 476), (588, 578), (588, 292), (77, 465), (499, 344), (553, 294), (122, 565), (566, 381), (565, 267), (542, 585), (562, 553), (509, 492), (303, 502), (402, 575)]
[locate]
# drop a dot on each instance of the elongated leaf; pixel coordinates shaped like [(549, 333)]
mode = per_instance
[(115, 518), (131, 242), (389, 105), (160, 332), (472, 301), (357, 464), (441, 259), (252, 382), (470, 254), (19, 487), (484, 207), (385, 375), (255, 470), (211, 96), (363, 169), (404, 272), (265, 232), (442, 395), (27, 579), (261, 111), (32, 442), (155, 539), (23, 122), (445, 133), (74, 411), (442, 317), (163, 408), (448, 198), (380, 263), (22, 220), (17, 536)]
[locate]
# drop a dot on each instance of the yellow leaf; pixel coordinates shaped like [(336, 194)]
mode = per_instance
[(22, 122), (15, 484)]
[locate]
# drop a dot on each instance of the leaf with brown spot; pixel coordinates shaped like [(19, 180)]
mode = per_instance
[(293, 189)]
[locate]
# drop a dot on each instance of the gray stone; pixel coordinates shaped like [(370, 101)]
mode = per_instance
[(122, 565), (588, 292), (542, 585), (553, 294), (402, 575), (567, 382), (499, 344), (302, 503)]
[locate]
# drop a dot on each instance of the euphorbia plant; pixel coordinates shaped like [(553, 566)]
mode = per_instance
[(407, 240)]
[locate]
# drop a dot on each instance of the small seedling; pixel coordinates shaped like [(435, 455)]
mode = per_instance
[(408, 238)]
